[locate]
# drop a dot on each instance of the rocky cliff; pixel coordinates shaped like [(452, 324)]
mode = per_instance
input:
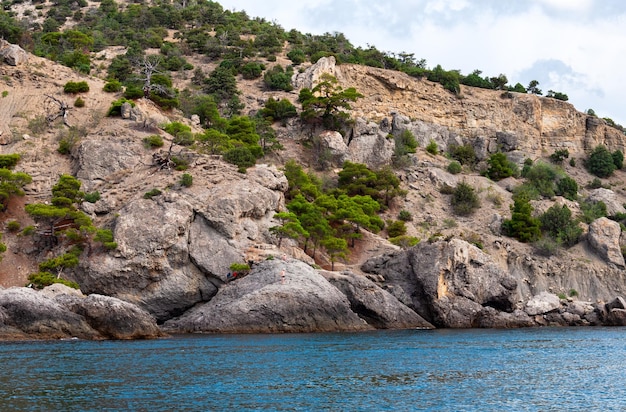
[(175, 248)]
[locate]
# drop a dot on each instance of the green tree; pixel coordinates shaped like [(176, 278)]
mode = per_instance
[(533, 88), (558, 223), (522, 225), (278, 78), (290, 227), (327, 102), (278, 109), (500, 167), (336, 249), (567, 187), (600, 162), (11, 184)]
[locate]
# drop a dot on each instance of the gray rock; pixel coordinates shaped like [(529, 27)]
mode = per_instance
[(492, 318), (125, 110), (542, 303), (33, 314), (332, 143), (376, 306), (603, 237), (617, 303), (449, 282), (609, 198), (263, 302), (311, 75), (12, 54), (112, 318)]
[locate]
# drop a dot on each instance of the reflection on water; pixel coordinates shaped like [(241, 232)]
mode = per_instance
[(467, 370)]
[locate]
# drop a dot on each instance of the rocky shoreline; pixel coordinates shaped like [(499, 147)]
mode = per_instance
[(308, 300)]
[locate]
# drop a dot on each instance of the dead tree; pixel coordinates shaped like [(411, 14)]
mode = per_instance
[(62, 110)]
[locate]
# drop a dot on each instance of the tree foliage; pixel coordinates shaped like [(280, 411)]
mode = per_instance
[(522, 225), (600, 162)]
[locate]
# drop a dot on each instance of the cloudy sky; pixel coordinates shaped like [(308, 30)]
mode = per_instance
[(577, 47)]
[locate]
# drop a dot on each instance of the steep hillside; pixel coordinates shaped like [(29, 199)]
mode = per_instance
[(174, 249)]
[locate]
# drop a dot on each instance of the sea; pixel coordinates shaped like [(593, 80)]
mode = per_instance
[(536, 369)]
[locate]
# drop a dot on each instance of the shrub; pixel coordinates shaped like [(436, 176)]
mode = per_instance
[(278, 78), (28, 230), (133, 92), (559, 155), (396, 228), (618, 159), (454, 167), (65, 146), (152, 193), (153, 141), (42, 279), (600, 162), (404, 241), (522, 225), (13, 226), (464, 199), (9, 161), (5, 93), (239, 267), (240, 156), (432, 147), (405, 216), (595, 184), (180, 163), (567, 187), (116, 106), (105, 236), (558, 223), (92, 197), (79, 102), (500, 167), (542, 176), (186, 180), (76, 87), (252, 70), (592, 211), (572, 162), (112, 86), (547, 246), (464, 154)]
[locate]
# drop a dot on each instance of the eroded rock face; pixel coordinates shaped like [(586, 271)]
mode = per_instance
[(449, 283), (604, 237), (609, 198), (376, 306), (264, 301)]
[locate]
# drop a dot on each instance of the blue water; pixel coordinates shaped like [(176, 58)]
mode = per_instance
[(549, 369)]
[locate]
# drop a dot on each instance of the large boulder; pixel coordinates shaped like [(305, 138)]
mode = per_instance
[(376, 306), (603, 237), (448, 283), (311, 76), (277, 296), (542, 303), (609, 198), (12, 54), (112, 318), (59, 312)]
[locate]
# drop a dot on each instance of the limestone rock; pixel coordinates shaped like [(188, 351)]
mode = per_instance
[(449, 282), (265, 302), (102, 159), (27, 312), (376, 306), (12, 54), (112, 318), (373, 149), (125, 110), (310, 76), (603, 237), (610, 199), (332, 142), (542, 303)]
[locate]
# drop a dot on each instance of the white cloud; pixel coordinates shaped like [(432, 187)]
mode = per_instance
[(568, 5)]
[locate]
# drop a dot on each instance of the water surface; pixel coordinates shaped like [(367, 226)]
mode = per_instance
[(548, 369)]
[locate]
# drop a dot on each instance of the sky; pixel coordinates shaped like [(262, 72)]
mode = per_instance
[(576, 47)]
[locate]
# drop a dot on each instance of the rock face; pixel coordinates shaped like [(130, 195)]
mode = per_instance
[(447, 283), (29, 314), (604, 237), (375, 305), (299, 300), (12, 54)]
